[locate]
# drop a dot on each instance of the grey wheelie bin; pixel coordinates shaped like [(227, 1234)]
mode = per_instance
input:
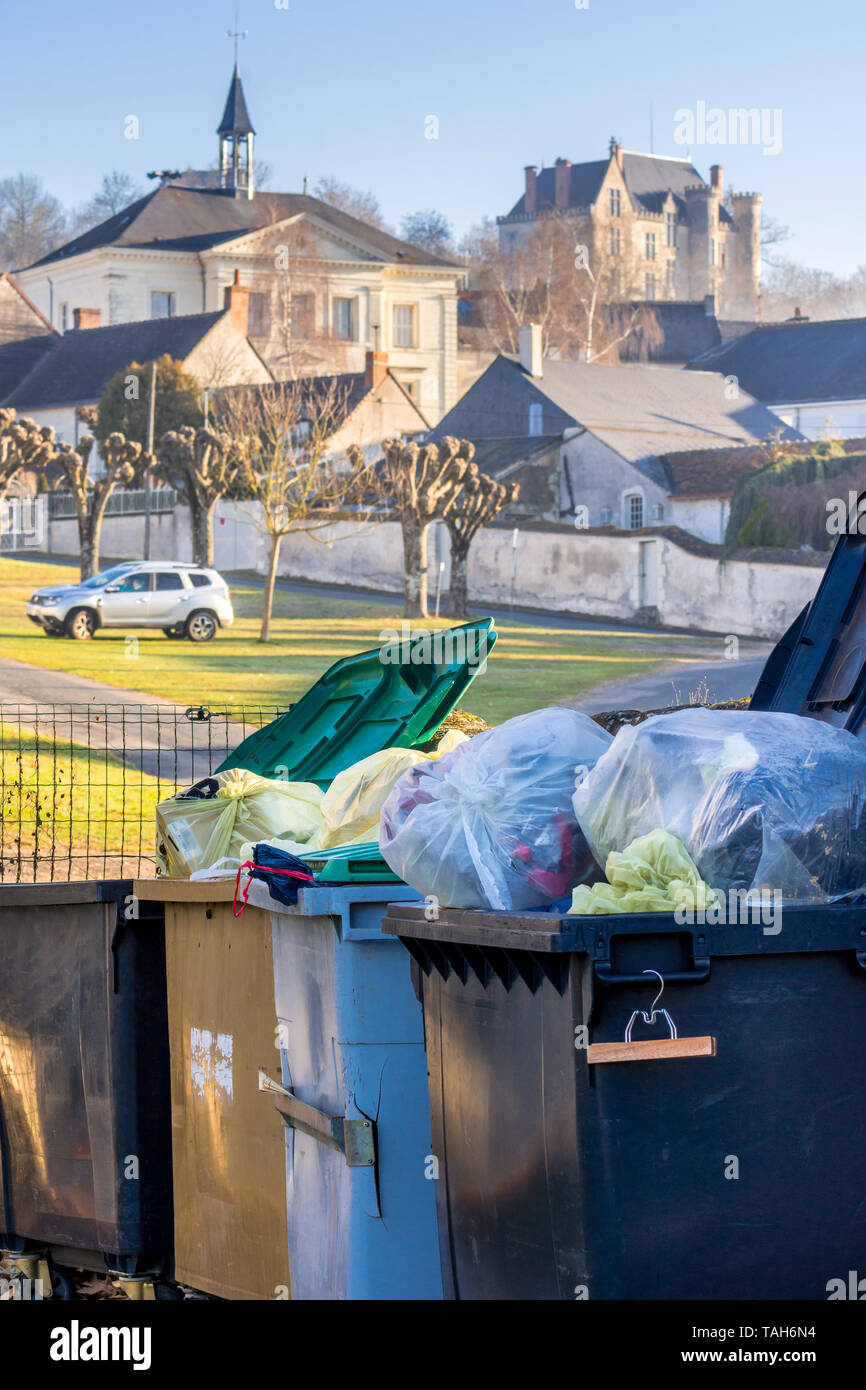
[(716, 1154), (85, 1144)]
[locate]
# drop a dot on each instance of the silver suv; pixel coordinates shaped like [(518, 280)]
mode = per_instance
[(183, 600)]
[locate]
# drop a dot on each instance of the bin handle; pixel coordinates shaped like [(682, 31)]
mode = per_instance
[(355, 1139), (700, 972)]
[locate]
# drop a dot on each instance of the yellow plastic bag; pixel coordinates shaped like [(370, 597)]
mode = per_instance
[(352, 804), (236, 807), (655, 873)]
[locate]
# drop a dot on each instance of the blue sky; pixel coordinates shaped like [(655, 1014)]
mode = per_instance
[(344, 87)]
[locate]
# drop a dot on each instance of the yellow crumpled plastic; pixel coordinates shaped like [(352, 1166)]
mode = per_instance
[(353, 802), (655, 873), (194, 833)]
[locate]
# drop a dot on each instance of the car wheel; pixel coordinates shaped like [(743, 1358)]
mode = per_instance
[(201, 626), (81, 624), (178, 631)]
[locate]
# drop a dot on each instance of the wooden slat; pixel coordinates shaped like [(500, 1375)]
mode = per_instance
[(651, 1050), (181, 890)]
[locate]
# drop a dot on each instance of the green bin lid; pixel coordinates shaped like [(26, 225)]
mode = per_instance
[(351, 864), (395, 696)]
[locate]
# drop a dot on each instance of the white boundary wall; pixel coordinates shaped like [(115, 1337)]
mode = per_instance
[(598, 575)]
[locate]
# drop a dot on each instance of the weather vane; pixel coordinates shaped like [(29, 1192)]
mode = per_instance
[(236, 34)]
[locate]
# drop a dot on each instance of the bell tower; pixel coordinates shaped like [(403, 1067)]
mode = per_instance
[(236, 143)]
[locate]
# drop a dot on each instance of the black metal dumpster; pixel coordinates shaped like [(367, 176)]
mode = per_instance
[(739, 1175), (85, 1136)]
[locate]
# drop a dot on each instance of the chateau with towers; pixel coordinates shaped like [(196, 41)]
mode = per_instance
[(675, 236)]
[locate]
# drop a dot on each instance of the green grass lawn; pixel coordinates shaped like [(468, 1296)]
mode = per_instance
[(67, 811), (532, 665)]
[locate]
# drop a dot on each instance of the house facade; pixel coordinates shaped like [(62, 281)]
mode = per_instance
[(325, 287), (675, 236), (613, 446)]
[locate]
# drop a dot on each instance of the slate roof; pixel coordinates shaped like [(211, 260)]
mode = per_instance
[(648, 179), (19, 358), (82, 361), (350, 387), (178, 218), (786, 363), (642, 412), (499, 456), (236, 118)]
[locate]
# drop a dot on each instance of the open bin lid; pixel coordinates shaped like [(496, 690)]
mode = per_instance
[(819, 667), (396, 695)]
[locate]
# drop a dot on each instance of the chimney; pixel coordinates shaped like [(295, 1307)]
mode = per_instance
[(710, 305), (530, 349), (530, 196), (615, 149), (375, 369), (716, 179), (562, 183), (237, 301), (86, 318)]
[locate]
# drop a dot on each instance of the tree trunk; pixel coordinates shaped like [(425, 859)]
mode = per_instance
[(86, 565), (415, 567), (201, 521), (457, 599), (268, 601)]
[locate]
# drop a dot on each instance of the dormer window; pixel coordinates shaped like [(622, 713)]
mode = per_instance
[(536, 418)]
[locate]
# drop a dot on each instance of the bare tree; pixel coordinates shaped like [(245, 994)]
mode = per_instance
[(23, 445), (124, 461), (479, 500), (578, 284), (283, 433), (293, 278), (420, 484), (430, 230), (32, 222), (364, 206), (203, 466)]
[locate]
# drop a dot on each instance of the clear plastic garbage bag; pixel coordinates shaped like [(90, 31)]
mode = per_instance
[(761, 800), (491, 824), (213, 819)]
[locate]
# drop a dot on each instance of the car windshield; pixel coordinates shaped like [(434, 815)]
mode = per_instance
[(98, 581)]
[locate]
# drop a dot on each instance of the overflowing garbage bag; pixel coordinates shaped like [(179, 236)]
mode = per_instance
[(213, 820), (655, 873), (491, 823), (761, 800)]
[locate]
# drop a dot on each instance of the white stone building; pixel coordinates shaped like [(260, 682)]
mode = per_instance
[(325, 287)]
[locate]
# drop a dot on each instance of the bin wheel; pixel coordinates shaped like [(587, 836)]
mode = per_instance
[(201, 625)]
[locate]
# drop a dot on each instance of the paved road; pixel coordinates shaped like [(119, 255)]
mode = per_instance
[(677, 683), (146, 732)]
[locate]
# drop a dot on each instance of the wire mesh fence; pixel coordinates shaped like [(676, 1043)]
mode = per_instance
[(79, 783)]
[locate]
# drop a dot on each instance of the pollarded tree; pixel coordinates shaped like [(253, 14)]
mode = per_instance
[(203, 466), (23, 444), (124, 464), (480, 499), (420, 483)]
